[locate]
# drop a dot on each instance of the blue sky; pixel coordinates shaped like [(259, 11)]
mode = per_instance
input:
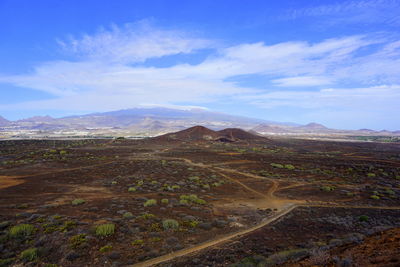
[(332, 62)]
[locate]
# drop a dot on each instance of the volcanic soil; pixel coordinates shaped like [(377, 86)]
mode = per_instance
[(196, 198)]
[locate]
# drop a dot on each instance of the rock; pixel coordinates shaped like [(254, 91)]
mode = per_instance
[(114, 256), (219, 223), (189, 218), (72, 256), (205, 226)]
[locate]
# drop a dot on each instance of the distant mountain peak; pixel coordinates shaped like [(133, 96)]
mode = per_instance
[(4, 121), (314, 125)]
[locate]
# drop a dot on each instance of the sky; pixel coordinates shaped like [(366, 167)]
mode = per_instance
[(331, 62)]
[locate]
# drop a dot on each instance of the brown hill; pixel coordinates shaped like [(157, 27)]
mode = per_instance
[(235, 134), (195, 133), (200, 133)]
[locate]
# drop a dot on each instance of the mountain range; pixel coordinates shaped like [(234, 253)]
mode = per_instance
[(159, 120)]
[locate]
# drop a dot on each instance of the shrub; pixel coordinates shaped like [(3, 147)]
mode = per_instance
[(21, 230), (6, 262), (147, 216), (132, 189), (78, 201), (68, 225), (191, 224), (105, 229), (164, 201), (192, 198), (175, 187), (206, 186), (114, 182), (150, 202), (127, 215), (155, 239), (155, 227), (277, 165), (390, 192), (170, 224), (77, 240), (289, 167), (137, 242), (106, 248), (363, 218), (29, 254), (374, 197), (327, 188), (371, 175)]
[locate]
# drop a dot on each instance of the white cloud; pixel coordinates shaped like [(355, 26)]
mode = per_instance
[(104, 78), (132, 43), (351, 12), (376, 98), (301, 81)]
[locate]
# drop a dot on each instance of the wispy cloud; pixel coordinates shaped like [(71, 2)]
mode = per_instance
[(365, 11), (134, 42)]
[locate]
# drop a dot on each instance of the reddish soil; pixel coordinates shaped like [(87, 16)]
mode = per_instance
[(246, 190)]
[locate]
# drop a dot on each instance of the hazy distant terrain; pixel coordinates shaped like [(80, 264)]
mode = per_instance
[(156, 121)]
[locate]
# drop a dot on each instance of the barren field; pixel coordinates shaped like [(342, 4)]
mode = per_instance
[(251, 202)]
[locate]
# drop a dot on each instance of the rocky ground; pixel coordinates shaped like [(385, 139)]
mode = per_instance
[(192, 201)]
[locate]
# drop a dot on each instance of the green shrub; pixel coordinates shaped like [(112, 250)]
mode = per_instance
[(6, 262), (371, 175), (78, 201), (106, 248), (175, 187), (132, 189), (155, 227), (77, 240), (390, 192), (191, 224), (147, 216), (277, 165), (363, 218), (29, 254), (194, 178), (114, 182), (327, 188), (105, 229), (127, 215), (289, 167), (137, 242), (150, 202), (170, 224), (21, 230), (164, 201), (155, 239), (192, 198), (67, 225), (374, 197), (205, 186)]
